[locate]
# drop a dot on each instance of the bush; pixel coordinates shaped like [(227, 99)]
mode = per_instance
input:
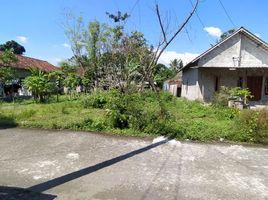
[(97, 99), (220, 99), (261, 135), (132, 111), (245, 126)]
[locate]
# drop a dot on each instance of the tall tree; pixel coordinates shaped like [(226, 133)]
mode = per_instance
[(14, 46), (176, 65), (7, 74), (162, 45)]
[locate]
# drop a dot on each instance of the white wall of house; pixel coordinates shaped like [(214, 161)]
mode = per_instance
[(252, 54), (222, 55), (190, 84)]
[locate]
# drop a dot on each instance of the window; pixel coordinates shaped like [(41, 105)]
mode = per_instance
[(266, 86), (216, 84), (240, 82)]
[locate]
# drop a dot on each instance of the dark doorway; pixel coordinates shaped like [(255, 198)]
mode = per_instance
[(178, 91), (254, 84)]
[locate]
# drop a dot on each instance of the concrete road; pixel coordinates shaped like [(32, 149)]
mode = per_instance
[(48, 165)]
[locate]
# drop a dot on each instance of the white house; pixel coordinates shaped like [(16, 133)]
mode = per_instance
[(239, 60)]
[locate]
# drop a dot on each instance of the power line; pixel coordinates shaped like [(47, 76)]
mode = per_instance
[(131, 11), (202, 24), (230, 19)]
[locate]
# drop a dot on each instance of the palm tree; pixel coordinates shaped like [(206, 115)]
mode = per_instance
[(176, 65)]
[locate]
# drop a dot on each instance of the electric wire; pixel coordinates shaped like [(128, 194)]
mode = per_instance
[(227, 14)]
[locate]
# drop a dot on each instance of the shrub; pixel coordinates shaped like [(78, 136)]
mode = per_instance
[(245, 126), (132, 111), (39, 84), (97, 99), (220, 99), (261, 135)]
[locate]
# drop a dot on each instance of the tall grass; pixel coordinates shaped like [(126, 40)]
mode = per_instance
[(139, 114)]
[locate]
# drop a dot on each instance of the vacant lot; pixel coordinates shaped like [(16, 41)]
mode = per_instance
[(139, 114), (77, 165)]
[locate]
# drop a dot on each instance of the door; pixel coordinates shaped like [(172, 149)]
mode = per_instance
[(254, 84)]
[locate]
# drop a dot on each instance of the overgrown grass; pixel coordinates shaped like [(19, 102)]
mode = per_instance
[(139, 114)]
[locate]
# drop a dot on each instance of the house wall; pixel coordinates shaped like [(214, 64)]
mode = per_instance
[(239, 51), (222, 56), (228, 78), (225, 78), (252, 54), (190, 85), (20, 74)]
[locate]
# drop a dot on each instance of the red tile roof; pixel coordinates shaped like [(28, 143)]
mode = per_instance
[(25, 62)]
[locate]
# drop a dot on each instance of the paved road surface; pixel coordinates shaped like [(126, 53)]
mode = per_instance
[(48, 165)]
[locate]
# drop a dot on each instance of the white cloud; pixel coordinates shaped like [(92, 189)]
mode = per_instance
[(22, 39), (168, 56), (213, 31), (66, 45), (54, 61)]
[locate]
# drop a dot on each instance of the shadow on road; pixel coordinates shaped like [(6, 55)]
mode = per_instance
[(13, 193), (7, 122), (77, 174)]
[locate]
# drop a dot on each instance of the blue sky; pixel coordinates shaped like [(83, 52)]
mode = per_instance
[(36, 24)]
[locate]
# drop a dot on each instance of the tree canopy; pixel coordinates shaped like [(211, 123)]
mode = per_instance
[(226, 34), (14, 46)]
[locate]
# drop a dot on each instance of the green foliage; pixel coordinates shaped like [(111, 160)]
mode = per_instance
[(162, 73), (68, 66), (39, 84), (245, 126), (261, 135), (71, 82), (222, 97), (139, 114), (7, 75), (226, 34), (176, 65), (7, 57), (97, 99), (14, 46), (240, 93), (118, 16)]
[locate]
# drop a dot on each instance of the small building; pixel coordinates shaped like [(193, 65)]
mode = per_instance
[(22, 67), (174, 85), (240, 60)]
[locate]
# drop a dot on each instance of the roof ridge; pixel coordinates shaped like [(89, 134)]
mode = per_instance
[(241, 29)]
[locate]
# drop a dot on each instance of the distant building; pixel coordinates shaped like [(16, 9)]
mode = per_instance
[(174, 85), (23, 66)]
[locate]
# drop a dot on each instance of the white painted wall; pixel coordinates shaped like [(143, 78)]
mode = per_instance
[(222, 56), (252, 55), (190, 85)]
